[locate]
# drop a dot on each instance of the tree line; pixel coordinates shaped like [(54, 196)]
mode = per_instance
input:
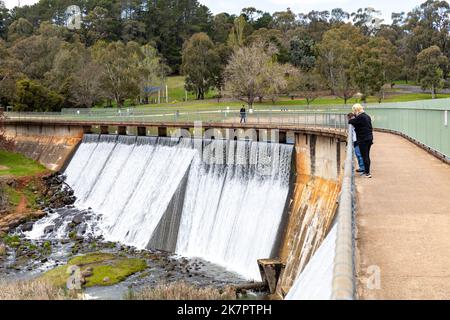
[(124, 48)]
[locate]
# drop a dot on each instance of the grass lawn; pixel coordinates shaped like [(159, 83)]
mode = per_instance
[(413, 97), (14, 164), (177, 98), (104, 265), (410, 82), (177, 94), (285, 101), (13, 195), (177, 91)]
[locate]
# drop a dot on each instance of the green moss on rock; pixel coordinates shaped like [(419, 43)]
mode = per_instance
[(103, 266)]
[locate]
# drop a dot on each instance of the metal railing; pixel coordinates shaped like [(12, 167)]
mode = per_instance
[(310, 119), (343, 286), (427, 126)]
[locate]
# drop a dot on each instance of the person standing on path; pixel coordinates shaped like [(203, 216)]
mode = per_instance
[(243, 115), (356, 147), (364, 135)]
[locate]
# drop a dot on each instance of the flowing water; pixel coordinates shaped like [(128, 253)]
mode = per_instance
[(315, 281), (233, 195)]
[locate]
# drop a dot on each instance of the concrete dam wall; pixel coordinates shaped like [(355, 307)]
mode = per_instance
[(51, 145), (318, 165), (229, 202)]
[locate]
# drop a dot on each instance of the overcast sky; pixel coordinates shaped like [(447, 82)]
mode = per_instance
[(304, 6), (235, 6)]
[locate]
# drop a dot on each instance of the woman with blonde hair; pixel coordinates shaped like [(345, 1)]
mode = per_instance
[(364, 135)]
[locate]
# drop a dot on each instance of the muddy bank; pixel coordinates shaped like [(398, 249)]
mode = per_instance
[(25, 200)]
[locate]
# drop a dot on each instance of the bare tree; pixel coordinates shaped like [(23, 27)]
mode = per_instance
[(253, 72), (85, 88)]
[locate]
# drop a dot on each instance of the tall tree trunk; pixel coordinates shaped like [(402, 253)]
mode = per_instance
[(251, 99)]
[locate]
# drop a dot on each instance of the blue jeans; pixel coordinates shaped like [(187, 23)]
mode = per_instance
[(360, 158)]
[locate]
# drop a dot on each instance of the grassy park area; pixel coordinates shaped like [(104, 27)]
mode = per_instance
[(286, 101), (176, 90)]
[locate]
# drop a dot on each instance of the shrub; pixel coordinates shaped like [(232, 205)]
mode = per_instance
[(32, 96), (181, 291), (32, 290)]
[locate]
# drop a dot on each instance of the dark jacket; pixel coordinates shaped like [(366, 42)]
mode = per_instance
[(363, 127)]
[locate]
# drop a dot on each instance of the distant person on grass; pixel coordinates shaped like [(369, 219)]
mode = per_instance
[(243, 115), (356, 147), (364, 135)]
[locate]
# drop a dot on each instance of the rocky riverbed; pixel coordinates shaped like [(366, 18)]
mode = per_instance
[(25, 259), (35, 244)]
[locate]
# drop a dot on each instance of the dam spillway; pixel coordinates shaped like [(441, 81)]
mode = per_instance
[(220, 200)]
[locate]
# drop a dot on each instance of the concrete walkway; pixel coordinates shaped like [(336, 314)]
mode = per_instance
[(403, 222)]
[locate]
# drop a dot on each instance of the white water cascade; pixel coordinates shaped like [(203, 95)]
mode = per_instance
[(233, 199), (232, 211), (130, 183)]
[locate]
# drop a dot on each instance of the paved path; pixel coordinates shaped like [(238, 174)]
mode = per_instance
[(403, 223)]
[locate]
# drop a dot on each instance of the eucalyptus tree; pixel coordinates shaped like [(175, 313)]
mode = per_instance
[(430, 65), (4, 17), (201, 64), (337, 54), (118, 80)]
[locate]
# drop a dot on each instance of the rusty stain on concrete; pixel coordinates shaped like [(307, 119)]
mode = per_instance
[(313, 206)]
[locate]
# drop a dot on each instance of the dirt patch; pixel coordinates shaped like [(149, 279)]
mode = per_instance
[(22, 207), (3, 167)]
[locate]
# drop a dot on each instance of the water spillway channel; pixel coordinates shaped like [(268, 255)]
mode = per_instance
[(220, 200)]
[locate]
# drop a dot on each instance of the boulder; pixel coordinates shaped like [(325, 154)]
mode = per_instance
[(78, 219), (27, 226), (86, 274), (49, 229)]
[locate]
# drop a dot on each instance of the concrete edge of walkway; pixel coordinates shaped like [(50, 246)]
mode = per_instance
[(343, 283)]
